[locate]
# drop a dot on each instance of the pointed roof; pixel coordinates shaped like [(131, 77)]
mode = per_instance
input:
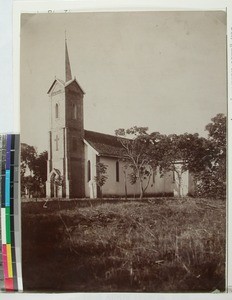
[(65, 84), (68, 73)]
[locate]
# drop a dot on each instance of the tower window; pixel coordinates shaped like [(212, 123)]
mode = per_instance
[(74, 111), (57, 142), (173, 177), (57, 111), (117, 171), (153, 176), (89, 170)]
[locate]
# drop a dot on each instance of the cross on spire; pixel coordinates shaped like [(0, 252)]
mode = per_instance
[(68, 74)]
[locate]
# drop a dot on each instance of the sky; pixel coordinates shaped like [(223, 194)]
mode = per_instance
[(163, 70)]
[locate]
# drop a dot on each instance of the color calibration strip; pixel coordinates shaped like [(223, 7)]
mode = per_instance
[(10, 267)]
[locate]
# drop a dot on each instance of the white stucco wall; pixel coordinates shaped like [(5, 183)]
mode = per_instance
[(160, 184), (181, 188), (90, 186), (57, 124), (112, 187)]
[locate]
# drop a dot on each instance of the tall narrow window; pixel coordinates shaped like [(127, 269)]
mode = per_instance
[(57, 141), (89, 170), (74, 111), (117, 171), (57, 111), (153, 176), (173, 177)]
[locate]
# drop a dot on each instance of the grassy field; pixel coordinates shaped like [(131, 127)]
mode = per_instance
[(156, 245)]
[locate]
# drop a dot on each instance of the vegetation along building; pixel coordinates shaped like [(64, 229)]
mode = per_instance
[(75, 153)]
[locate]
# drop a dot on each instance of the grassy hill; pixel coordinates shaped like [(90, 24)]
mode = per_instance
[(151, 245)]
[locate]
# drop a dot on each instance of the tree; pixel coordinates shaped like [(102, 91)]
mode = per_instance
[(28, 156), (212, 180), (184, 152), (101, 177), (40, 166), (136, 155), (40, 172), (33, 171)]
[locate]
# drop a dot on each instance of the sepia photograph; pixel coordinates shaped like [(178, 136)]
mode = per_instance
[(123, 119)]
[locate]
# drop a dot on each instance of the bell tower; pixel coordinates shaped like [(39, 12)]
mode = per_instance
[(65, 166)]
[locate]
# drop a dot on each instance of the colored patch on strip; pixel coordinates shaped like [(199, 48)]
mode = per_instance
[(0, 161), (9, 284), (12, 237), (16, 158), (13, 257), (18, 267), (7, 160), (3, 225), (11, 173), (20, 282), (8, 227), (7, 188), (7, 211), (9, 261), (3, 183), (13, 141), (11, 221), (16, 173), (8, 148), (8, 142), (4, 261), (15, 283), (3, 161), (12, 153), (11, 207)]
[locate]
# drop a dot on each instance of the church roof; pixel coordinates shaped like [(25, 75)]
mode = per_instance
[(56, 80), (68, 73), (65, 84), (104, 144), (74, 80)]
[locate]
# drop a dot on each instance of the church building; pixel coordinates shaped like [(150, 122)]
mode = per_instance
[(75, 152)]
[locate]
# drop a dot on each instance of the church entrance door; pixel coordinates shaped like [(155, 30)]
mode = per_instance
[(55, 188)]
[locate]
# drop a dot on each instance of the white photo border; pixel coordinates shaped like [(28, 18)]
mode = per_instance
[(128, 5)]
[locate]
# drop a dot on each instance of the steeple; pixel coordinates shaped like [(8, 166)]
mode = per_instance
[(68, 74)]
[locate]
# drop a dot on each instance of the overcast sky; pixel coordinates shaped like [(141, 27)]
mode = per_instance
[(164, 70)]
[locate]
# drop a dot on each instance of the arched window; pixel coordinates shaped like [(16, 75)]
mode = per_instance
[(173, 177), (153, 176), (57, 111), (89, 170), (117, 171)]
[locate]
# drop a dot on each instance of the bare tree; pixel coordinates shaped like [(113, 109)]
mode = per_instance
[(101, 177), (136, 155)]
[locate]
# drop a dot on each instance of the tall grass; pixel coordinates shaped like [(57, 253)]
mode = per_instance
[(161, 245)]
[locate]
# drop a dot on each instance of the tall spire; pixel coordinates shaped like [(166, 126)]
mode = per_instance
[(68, 74)]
